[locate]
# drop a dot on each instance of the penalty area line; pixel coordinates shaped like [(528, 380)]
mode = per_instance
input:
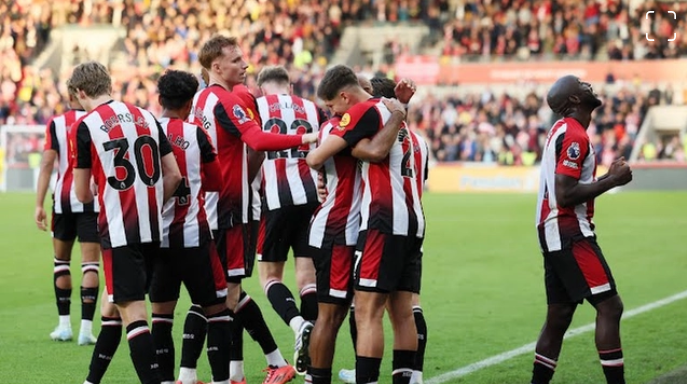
[(529, 348)]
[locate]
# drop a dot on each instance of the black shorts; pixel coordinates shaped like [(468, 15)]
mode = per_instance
[(253, 231), (283, 229), (577, 272), (233, 247), (128, 271), (334, 271), (387, 263), (67, 226), (199, 268)]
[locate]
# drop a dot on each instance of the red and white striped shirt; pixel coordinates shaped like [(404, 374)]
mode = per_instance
[(184, 220), (57, 139), (122, 144), (287, 178), (337, 219), (569, 152), (391, 188), (421, 150), (232, 126)]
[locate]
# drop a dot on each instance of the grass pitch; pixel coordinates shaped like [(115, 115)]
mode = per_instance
[(482, 295)]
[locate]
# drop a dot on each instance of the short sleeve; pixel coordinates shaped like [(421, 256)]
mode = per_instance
[(165, 146), (83, 146), (207, 151), (360, 122), (571, 150), (51, 142)]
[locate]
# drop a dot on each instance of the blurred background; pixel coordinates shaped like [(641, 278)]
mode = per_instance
[(483, 68)]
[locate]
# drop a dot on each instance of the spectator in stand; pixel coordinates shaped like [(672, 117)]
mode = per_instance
[(563, 29)]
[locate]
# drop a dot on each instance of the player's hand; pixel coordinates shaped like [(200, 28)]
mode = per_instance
[(620, 172), (40, 218), (321, 188), (405, 89), (394, 105), (309, 138)]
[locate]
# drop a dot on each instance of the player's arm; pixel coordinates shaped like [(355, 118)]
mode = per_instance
[(329, 147), (571, 152), (50, 152), (82, 164), (210, 172), (234, 120), (377, 149), (171, 175), (255, 160)]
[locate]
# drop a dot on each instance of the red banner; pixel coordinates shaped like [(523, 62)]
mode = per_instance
[(422, 69), (431, 72)]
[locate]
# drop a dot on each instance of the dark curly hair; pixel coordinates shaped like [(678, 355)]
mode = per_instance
[(383, 87), (176, 88)]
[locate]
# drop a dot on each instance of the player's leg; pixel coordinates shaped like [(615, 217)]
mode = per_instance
[(609, 308), (559, 315), (239, 266), (405, 285), (108, 340), (274, 241), (195, 330), (421, 327), (305, 267), (130, 269), (163, 294), (348, 375), (64, 234), (87, 229), (369, 306), (334, 270), (205, 280)]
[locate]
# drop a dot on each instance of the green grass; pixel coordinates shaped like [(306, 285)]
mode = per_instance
[(482, 294)]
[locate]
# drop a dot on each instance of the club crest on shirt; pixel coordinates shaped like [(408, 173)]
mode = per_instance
[(345, 120), (574, 151), (240, 114)]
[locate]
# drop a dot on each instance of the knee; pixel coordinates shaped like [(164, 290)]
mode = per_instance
[(612, 308), (331, 319), (305, 278), (560, 317)]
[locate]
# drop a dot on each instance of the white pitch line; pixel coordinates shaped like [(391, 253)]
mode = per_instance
[(529, 348)]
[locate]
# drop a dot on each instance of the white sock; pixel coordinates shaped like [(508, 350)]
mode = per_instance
[(214, 382), (296, 323), (87, 327), (167, 382), (275, 359), (65, 322), (87, 382), (236, 370), (416, 378), (188, 375)]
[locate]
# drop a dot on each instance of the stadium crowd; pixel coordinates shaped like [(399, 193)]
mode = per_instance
[(303, 34), (564, 29)]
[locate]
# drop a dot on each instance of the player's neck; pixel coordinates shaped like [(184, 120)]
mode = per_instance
[(582, 117), (173, 114), (361, 96), (218, 81), (91, 104)]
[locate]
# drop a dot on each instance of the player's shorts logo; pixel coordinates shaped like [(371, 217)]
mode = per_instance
[(574, 151)]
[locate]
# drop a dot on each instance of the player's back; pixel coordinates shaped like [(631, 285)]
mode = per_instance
[(337, 219), (57, 139), (126, 164), (287, 178), (568, 151), (203, 114), (421, 153), (391, 197), (185, 223)]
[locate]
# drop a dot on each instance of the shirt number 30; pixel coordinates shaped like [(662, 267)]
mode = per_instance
[(147, 164)]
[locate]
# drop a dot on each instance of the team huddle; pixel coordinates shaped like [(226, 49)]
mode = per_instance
[(221, 178)]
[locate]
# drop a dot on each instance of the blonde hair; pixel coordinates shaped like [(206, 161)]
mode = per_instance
[(212, 49), (92, 78)]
